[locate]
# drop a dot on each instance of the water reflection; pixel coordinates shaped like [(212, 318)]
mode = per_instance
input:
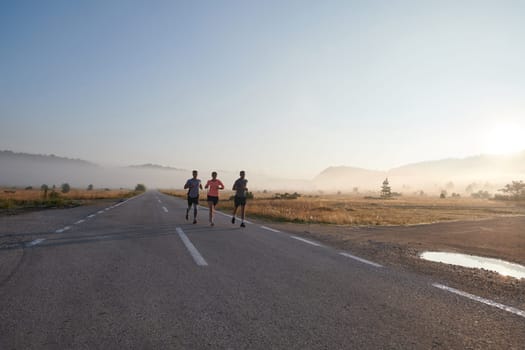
[(504, 268)]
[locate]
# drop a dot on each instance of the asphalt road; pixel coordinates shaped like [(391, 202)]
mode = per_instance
[(139, 276)]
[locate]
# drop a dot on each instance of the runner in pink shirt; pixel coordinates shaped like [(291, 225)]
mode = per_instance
[(213, 186)]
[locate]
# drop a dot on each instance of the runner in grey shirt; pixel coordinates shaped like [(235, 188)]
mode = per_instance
[(193, 185), (240, 196)]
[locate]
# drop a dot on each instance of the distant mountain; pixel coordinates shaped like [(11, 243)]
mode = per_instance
[(486, 165), (488, 172), (156, 167), (23, 169), (10, 156), (344, 178)]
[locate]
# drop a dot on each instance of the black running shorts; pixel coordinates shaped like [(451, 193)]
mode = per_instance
[(213, 199), (240, 201), (193, 200)]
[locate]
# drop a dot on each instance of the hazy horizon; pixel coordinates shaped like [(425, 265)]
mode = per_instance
[(467, 175), (279, 88)]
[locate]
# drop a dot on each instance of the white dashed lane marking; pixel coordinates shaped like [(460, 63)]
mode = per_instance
[(165, 209), (35, 242), (197, 257)]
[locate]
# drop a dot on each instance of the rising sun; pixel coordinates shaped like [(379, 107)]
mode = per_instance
[(505, 138)]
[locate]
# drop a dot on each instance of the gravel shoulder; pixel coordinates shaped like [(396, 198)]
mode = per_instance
[(400, 246)]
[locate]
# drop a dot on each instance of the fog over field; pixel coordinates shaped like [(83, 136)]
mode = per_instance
[(454, 175)]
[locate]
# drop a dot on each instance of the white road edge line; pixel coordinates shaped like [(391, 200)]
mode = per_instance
[(165, 209), (59, 231), (510, 309), (361, 259), (197, 257), (35, 242), (100, 212), (79, 222), (66, 228), (306, 241), (270, 229), (91, 216), (230, 216)]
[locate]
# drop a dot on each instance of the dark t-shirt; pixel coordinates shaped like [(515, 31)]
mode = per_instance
[(240, 187), (193, 190)]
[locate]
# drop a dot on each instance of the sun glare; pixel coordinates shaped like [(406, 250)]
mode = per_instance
[(504, 138)]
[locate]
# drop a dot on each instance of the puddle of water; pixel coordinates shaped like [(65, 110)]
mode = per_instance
[(502, 267)]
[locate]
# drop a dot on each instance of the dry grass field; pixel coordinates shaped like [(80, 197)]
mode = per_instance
[(18, 198), (357, 211)]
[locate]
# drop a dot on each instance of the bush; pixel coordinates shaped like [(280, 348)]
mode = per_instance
[(286, 195), (140, 188), (481, 194), (65, 188)]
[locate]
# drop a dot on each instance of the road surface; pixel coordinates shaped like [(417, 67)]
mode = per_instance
[(137, 275)]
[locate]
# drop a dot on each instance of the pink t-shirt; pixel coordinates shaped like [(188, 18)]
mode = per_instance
[(213, 187)]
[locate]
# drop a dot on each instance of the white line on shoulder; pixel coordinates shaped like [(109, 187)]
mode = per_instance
[(306, 241), (510, 309), (361, 259), (270, 229)]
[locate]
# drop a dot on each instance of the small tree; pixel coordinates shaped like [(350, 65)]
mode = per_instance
[(386, 191), (90, 187), (65, 187), (140, 188), (44, 189), (516, 189)]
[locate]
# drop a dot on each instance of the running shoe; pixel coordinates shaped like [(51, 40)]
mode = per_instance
[(194, 221), (233, 219), (242, 224)]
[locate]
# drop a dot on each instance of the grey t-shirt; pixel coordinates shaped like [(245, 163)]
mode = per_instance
[(240, 187), (193, 190)]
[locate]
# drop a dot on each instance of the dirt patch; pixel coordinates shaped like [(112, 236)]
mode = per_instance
[(400, 246)]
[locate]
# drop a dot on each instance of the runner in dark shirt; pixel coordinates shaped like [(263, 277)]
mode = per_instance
[(240, 196)]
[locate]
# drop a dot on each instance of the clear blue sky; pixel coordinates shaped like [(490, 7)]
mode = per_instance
[(280, 87)]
